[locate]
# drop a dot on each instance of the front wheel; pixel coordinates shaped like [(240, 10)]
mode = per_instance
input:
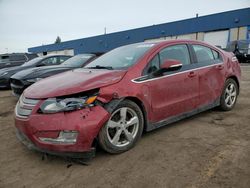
[(229, 95), (123, 129)]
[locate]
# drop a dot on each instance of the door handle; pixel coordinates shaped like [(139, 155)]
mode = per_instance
[(191, 74), (220, 67)]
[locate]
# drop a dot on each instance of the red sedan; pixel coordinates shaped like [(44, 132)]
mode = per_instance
[(131, 89)]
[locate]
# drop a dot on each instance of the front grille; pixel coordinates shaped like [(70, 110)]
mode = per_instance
[(25, 106)]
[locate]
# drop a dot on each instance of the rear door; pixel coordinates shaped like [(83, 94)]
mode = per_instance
[(175, 92), (211, 74)]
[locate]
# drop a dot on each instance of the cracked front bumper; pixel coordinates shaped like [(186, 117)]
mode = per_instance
[(87, 122)]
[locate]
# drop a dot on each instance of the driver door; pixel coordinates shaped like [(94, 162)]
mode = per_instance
[(176, 92)]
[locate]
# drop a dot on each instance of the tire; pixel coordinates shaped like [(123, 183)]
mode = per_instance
[(120, 134), (229, 95)]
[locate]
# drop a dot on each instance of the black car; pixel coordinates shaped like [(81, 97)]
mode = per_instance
[(15, 59), (241, 48), (25, 78), (6, 73)]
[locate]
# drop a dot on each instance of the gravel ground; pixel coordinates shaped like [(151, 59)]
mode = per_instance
[(211, 149)]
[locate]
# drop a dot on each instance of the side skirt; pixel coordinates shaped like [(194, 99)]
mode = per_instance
[(152, 126)]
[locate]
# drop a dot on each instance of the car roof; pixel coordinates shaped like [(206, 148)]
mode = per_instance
[(163, 42), (158, 44)]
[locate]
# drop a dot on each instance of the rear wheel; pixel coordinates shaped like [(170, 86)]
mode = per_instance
[(229, 95), (123, 129)]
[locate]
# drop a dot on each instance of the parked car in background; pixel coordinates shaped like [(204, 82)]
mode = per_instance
[(127, 90), (241, 48), (15, 59), (25, 78), (6, 73)]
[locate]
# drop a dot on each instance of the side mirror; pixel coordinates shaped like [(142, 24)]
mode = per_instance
[(169, 65)]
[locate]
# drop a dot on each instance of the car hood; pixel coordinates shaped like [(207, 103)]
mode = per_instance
[(72, 82), (38, 72), (13, 70)]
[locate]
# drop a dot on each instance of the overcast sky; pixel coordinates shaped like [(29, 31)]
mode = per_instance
[(29, 23)]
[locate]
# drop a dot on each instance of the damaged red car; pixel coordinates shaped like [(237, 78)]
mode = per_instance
[(131, 89)]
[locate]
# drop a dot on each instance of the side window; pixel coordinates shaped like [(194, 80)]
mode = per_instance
[(153, 65), (50, 61), (177, 52), (203, 54)]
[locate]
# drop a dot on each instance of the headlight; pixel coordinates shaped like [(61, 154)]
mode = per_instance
[(3, 74), (33, 80), (54, 105)]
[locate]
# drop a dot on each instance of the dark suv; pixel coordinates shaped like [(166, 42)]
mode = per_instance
[(15, 59), (241, 48)]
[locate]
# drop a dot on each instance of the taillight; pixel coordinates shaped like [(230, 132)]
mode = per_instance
[(234, 59)]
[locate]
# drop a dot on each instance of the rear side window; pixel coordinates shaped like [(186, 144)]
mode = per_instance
[(50, 61), (31, 56), (203, 54)]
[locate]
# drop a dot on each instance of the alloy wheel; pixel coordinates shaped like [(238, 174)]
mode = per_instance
[(122, 127), (230, 95)]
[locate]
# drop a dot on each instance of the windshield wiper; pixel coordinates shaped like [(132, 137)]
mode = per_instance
[(101, 67)]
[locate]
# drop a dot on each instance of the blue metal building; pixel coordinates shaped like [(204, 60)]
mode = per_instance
[(235, 24)]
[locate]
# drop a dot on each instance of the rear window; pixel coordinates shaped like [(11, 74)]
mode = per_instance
[(32, 62), (31, 56), (17, 58)]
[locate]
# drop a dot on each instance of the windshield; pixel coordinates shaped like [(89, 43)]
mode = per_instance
[(32, 62), (77, 61), (243, 44), (122, 57)]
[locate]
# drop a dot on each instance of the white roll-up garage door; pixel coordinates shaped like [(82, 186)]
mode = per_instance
[(218, 38), (62, 52), (187, 36)]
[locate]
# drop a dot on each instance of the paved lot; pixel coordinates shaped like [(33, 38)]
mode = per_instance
[(211, 149)]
